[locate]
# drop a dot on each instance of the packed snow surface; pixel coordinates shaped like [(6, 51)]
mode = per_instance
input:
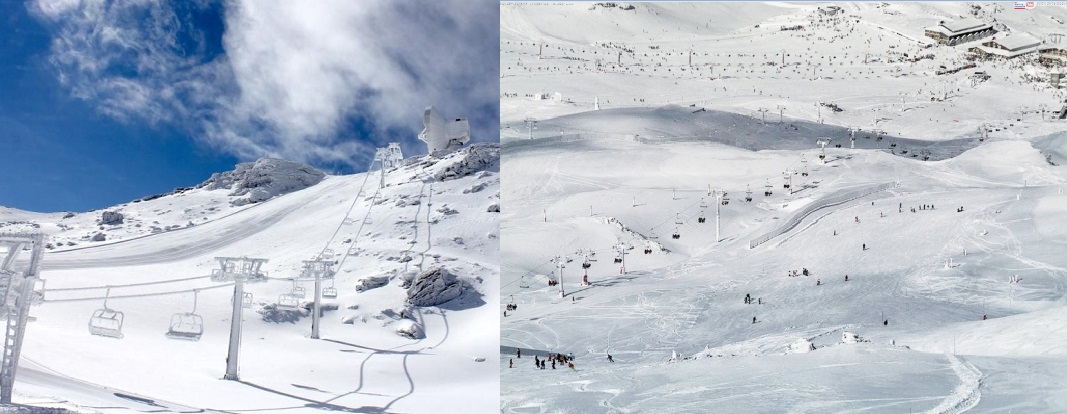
[(953, 250)]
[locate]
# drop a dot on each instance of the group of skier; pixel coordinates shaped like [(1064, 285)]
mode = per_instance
[(539, 363)]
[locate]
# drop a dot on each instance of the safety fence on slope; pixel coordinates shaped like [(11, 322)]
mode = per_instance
[(833, 200)]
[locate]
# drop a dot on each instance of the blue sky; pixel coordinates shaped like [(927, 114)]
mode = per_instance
[(102, 102)]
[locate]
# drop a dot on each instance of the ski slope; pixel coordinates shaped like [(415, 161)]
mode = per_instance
[(664, 146), (424, 217)]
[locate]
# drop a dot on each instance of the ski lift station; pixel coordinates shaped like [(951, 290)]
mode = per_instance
[(441, 134)]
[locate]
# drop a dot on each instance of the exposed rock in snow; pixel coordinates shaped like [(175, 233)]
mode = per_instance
[(111, 218), (434, 287), (264, 179), (99, 237), (371, 283), (410, 329), (468, 161), (493, 208), (851, 338)]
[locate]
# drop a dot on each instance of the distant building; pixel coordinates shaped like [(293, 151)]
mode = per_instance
[(439, 133), (1008, 46), (955, 32), (830, 10), (1056, 79), (1052, 56)]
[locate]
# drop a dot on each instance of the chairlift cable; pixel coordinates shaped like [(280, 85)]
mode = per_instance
[(127, 285), (139, 295)]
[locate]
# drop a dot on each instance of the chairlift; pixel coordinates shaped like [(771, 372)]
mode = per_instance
[(327, 254), (618, 259), (676, 235), (288, 301), (329, 292), (246, 299), (522, 282), (725, 200), (748, 194), (586, 264), (186, 326), (106, 321), (298, 291), (677, 219)]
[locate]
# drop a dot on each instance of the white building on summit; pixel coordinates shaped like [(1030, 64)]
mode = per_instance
[(440, 133)]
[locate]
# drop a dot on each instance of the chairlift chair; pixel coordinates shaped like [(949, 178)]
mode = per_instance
[(298, 291), (288, 301), (329, 292), (676, 235), (186, 326), (522, 282), (246, 299), (106, 321)]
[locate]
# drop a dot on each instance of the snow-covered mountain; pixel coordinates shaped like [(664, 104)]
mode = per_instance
[(931, 246), (416, 273)]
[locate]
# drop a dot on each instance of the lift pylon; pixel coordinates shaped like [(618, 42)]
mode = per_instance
[(238, 270), (17, 296)]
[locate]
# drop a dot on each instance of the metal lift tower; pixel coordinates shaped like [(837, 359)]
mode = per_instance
[(17, 289), (238, 270)]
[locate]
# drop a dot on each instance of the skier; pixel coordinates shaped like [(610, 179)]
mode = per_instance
[(511, 363), (571, 366), (846, 278), (885, 322), (864, 246), (553, 364), (753, 319), (518, 353), (610, 359), (983, 317), (818, 282)]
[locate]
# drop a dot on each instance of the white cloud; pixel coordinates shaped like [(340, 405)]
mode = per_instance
[(295, 75)]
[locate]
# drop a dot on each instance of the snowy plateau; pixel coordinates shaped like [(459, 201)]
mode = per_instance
[(411, 326), (685, 157)]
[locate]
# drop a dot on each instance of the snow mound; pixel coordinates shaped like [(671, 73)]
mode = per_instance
[(434, 287), (801, 346), (264, 179), (851, 338)]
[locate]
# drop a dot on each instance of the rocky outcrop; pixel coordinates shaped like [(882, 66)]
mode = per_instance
[(264, 179)]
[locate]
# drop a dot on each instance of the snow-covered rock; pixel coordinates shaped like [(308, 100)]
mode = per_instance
[(110, 218), (372, 282), (468, 161), (264, 179), (801, 346), (434, 287), (410, 329)]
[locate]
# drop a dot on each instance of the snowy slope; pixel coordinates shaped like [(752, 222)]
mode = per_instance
[(641, 170), (425, 217)]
